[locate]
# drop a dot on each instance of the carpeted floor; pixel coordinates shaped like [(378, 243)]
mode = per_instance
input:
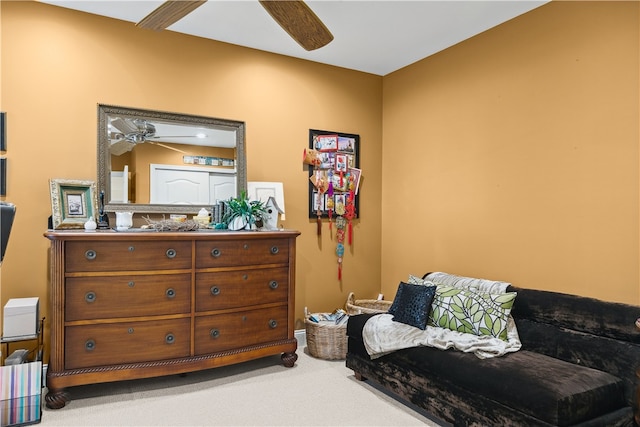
[(314, 392)]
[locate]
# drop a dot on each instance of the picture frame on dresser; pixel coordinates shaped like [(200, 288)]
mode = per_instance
[(73, 202)]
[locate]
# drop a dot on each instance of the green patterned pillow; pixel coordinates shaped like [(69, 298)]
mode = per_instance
[(471, 312)]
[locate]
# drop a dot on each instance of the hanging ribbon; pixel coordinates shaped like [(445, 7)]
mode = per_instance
[(330, 199), (350, 213), (340, 224)]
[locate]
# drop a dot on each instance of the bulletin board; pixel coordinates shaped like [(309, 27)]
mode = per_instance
[(338, 163)]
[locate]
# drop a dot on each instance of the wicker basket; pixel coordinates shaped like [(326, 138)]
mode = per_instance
[(326, 340), (359, 306)]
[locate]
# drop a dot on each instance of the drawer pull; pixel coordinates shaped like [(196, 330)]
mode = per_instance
[(130, 330), (273, 323), (169, 338), (274, 250), (215, 290), (170, 293), (90, 297), (131, 284), (245, 246), (132, 248), (245, 276), (215, 252), (171, 253), (90, 254), (214, 333), (90, 345), (273, 284)]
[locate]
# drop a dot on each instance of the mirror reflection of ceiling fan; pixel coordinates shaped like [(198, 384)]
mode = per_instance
[(125, 134), (295, 17)]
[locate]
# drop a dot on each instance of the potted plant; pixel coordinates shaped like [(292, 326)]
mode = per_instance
[(244, 213)]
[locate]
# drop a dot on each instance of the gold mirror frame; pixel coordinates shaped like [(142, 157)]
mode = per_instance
[(104, 154)]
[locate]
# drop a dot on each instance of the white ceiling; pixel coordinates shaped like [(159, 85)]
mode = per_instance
[(376, 37)]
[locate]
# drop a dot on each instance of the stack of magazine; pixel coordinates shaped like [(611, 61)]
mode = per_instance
[(338, 317)]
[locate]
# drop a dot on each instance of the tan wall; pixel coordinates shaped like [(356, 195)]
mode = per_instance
[(57, 65), (514, 155)]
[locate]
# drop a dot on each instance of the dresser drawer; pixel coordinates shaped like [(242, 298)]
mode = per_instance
[(107, 297), (117, 343), (235, 330), (229, 289), (243, 252), (127, 255)]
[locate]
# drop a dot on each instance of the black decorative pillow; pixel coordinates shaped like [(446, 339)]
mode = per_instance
[(413, 304), (396, 301)]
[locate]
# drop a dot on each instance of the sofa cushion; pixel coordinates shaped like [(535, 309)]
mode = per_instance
[(478, 313), (554, 391), (413, 303)]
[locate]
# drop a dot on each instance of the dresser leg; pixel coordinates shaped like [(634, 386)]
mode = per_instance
[(56, 398), (288, 359)]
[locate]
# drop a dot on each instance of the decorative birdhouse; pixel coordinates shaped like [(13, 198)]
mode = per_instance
[(274, 212)]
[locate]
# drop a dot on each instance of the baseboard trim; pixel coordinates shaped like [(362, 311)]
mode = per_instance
[(301, 336)]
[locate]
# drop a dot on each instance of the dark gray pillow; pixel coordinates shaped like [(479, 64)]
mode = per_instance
[(396, 300), (412, 304)]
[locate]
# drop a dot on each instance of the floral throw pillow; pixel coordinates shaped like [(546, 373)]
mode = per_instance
[(471, 312), (413, 304)]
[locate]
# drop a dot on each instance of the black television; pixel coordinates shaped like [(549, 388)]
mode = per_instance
[(7, 213)]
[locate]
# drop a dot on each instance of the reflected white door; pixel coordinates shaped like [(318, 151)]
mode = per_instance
[(180, 187), (222, 187)]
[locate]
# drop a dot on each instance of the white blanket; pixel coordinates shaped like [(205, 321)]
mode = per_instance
[(381, 335)]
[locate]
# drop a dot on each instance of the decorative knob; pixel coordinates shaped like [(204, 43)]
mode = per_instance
[(214, 333), (90, 297), (130, 330), (171, 253), (89, 345), (170, 293), (245, 246), (273, 323), (273, 284), (169, 338), (90, 254), (131, 284), (215, 290), (132, 248), (274, 250), (215, 252)]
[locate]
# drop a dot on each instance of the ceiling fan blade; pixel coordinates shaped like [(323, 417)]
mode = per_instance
[(168, 13), (297, 19), (124, 126), (120, 147), (166, 146)]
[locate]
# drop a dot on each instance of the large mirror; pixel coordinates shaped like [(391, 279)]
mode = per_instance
[(161, 162)]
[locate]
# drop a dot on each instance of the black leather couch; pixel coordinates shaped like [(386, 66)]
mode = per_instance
[(577, 366)]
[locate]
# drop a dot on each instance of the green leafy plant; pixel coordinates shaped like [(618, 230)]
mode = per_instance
[(250, 211)]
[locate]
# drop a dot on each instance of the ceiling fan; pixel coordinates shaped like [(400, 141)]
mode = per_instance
[(125, 134), (295, 17)]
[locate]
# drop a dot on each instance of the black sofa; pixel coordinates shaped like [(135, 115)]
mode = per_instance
[(577, 366)]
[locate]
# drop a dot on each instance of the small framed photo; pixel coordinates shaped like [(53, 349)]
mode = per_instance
[(73, 202), (346, 144), (342, 163), (326, 142), (318, 202)]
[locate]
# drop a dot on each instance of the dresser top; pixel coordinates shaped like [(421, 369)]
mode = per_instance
[(148, 234)]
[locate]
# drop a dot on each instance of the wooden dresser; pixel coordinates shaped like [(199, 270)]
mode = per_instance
[(126, 305)]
